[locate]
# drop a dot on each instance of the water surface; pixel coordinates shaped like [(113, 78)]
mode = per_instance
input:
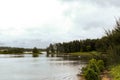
[(15, 67)]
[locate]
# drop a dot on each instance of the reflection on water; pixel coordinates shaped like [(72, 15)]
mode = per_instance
[(41, 68)]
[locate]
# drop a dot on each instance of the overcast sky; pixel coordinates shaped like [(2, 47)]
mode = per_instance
[(30, 23)]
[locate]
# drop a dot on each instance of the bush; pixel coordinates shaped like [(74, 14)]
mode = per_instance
[(93, 65), (90, 74), (93, 69), (100, 65)]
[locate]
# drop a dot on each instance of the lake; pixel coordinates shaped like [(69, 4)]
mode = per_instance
[(25, 67)]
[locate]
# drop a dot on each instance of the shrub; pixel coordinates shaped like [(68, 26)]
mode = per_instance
[(93, 65), (100, 65), (90, 74), (93, 69), (115, 72)]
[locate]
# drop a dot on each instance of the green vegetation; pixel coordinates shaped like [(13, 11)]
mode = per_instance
[(14, 50), (100, 65), (87, 55), (10, 50), (115, 72), (91, 75), (80, 46), (112, 48), (73, 46), (114, 42), (93, 69), (113, 51), (35, 52)]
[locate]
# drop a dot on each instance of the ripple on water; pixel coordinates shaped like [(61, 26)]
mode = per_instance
[(41, 68)]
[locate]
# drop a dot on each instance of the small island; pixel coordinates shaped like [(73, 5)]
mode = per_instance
[(35, 52)]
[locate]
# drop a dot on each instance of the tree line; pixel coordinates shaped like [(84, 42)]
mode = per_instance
[(11, 50), (80, 46), (16, 50)]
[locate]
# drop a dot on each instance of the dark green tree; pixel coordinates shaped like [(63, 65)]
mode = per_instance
[(114, 44), (35, 52)]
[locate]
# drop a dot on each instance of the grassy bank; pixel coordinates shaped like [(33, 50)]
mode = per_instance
[(87, 55), (11, 52)]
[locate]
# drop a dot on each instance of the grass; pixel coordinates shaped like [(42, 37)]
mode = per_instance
[(92, 53), (115, 72), (87, 55), (7, 52), (10, 52)]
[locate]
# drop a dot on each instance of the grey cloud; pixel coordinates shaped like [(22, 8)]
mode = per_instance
[(97, 2), (92, 25), (68, 0), (27, 43), (108, 2), (2, 44)]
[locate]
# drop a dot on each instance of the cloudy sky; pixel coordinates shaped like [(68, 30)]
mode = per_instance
[(29, 23)]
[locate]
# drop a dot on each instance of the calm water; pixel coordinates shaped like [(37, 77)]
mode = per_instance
[(42, 68)]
